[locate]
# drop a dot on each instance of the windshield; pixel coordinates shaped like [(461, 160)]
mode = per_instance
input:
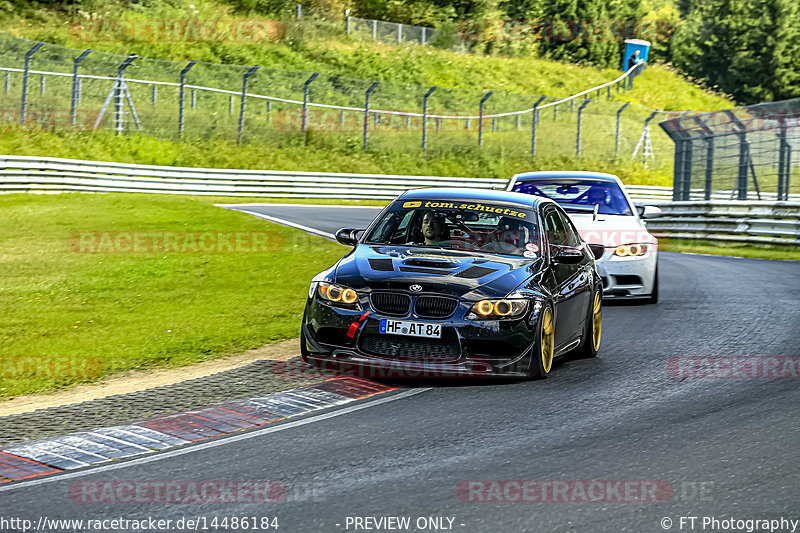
[(607, 195), (475, 226)]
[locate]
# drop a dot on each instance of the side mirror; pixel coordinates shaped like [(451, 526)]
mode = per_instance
[(348, 236), (568, 256), (648, 211)]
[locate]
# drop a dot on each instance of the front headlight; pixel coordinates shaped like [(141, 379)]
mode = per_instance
[(630, 250), (337, 294), (505, 308)]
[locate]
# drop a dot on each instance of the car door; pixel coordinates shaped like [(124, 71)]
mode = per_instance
[(583, 281), (571, 281)]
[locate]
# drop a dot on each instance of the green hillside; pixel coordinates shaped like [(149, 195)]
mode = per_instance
[(317, 45)]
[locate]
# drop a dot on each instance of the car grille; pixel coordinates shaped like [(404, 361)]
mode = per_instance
[(391, 303), (435, 306), (403, 347), (597, 250)]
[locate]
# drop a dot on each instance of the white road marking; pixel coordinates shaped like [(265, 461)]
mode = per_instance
[(291, 224), (212, 444)]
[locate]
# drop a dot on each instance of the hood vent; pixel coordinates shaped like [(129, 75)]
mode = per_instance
[(419, 270), (381, 265), (429, 263), (475, 272)]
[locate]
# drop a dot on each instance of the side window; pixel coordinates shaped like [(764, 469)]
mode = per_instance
[(554, 228), (571, 236)]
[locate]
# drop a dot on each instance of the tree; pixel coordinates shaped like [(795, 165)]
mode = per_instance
[(748, 48), (588, 31)]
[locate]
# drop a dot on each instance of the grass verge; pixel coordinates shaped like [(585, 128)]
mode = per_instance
[(729, 249), (75, 313)]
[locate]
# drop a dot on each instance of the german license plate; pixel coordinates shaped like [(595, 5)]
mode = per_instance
[(411, 329)]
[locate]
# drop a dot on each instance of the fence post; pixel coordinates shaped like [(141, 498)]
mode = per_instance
[(230, 105), (347, 18), (425, 117), (75, 81), (366, 110), (118, 94), (616, 136), (305, 99), (24, 104), (423, 35), (180, 97), (269, 109), (578, 136), (534, 121), (244, 97), (710, 166), (555, 112), (518, 119), (480, 117), (399, 33), (687, 171), (299, 11), (194, 98), (41, 84), (374, 30), (788, 173), (744, 159), (8, 81), (677, 171), (784, 163)]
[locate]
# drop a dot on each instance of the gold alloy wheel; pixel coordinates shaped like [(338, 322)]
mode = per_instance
[(547, 340), (597, 320)]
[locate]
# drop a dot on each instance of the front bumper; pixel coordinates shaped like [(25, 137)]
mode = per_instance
[(339, 337), (627, 277)]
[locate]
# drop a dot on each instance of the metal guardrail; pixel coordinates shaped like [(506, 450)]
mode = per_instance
[(758, 222), (755, 222), (50, 174)]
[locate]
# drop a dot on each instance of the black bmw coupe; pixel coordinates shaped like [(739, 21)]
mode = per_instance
[(457, 282)]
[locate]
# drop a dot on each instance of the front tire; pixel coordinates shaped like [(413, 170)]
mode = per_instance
[(544, 347), (590, 344)]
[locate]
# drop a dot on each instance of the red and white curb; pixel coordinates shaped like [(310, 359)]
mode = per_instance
[(69, 452)]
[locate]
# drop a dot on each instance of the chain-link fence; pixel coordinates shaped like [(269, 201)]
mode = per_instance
[(53, 87), (738, 154), (390, 32)]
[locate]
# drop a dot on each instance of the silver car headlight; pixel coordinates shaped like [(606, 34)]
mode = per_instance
[(630, 250)]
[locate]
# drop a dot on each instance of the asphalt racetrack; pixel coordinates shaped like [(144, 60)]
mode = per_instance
[(725, 447)]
